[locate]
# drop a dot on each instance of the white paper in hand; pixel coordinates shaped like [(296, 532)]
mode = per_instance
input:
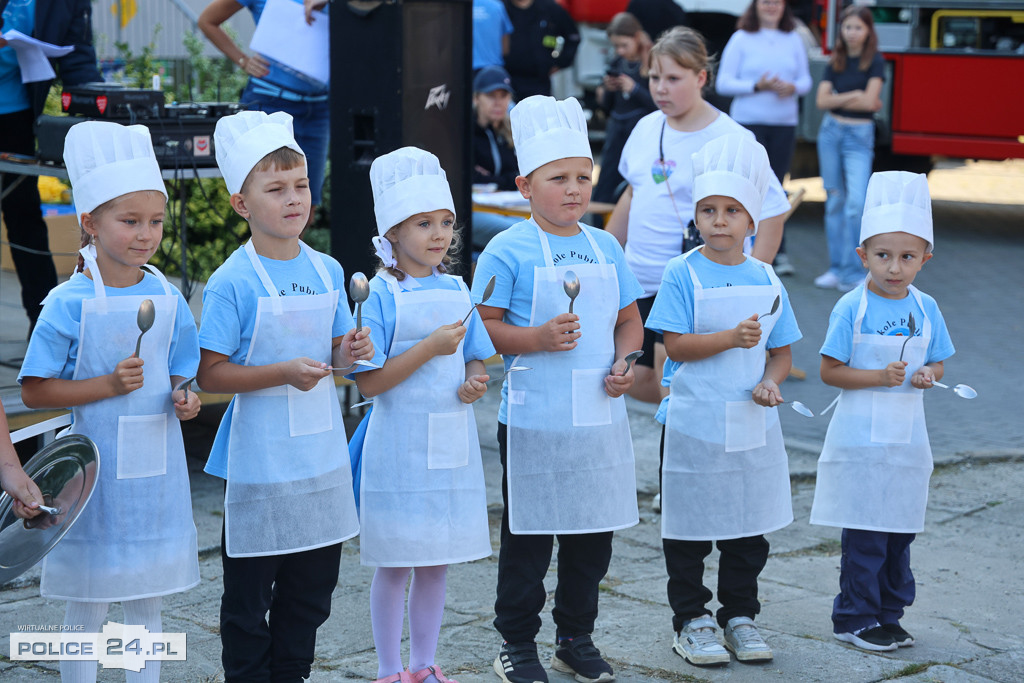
[(283, 36), (33, 56)]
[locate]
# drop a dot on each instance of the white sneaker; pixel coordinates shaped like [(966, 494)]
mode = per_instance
[(744, 640), (656, 503), (698, 644), (827, 280), (782, 265)]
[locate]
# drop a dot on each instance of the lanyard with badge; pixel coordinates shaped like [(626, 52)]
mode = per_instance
[(660, 172)]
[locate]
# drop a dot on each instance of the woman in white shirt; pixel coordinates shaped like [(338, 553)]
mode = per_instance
[(764, 69)]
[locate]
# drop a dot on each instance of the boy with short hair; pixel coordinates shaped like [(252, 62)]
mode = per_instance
[(272, 323), (725, 473), (876, 461), (563, 435)]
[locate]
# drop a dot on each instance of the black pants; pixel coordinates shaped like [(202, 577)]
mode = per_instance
[(24, 218), (296, 589), (779, 142), (523, 562), (739, 564)]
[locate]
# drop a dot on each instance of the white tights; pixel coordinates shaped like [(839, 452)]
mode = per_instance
[(90, 615), (387, 609)]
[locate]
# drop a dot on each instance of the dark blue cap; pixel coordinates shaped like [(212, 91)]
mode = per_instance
[(491, 78)]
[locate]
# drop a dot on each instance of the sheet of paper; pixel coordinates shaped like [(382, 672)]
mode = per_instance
[(33, 56), (284, 36)]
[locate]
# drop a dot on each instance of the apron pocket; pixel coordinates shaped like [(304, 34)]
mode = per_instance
[(892, 416), (591, 405), (309, 412), (448, 440), (744, 426), (141, 446)]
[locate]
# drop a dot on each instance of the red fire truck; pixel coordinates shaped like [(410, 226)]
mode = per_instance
[(955, 74)]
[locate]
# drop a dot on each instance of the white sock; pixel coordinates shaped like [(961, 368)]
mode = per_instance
[(426, 609), (82, 617), (387, 612), (144, 612)]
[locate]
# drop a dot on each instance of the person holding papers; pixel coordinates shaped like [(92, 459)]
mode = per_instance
[(274, 87), (60, 22)]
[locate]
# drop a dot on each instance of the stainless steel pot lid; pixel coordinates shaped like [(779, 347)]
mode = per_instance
[(66, 472)]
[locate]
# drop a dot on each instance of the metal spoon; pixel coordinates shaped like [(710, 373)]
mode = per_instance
[(184, 384), (801, 408), (775, 307), (364, 363), (145, 319), (630, 359), (488, 290), (514, 368), (571, 285), (961, 390), (912, 327), (359, 290)]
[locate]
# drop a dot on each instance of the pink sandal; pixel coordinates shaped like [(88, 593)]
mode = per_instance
[(434, 670), (400, 677)]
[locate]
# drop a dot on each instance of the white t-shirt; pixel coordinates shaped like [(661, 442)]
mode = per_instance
[(748, 56), (655, 229)]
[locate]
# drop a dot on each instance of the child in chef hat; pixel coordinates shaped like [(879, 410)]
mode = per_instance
[(886, 343)]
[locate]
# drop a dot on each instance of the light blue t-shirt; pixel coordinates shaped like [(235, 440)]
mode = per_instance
[(19, 15), (379, 315), (53, 349), (672, 310), (885, 317), (230, 299), (513, 254), (490, 25), (280, 76)]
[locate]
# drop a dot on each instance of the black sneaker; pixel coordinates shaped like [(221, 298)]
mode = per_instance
[(518, 663), (902, 638), (874, 639), (579, 656)]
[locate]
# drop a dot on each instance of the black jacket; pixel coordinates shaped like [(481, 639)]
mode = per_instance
[(532, 48), (63, 22), (484, 158)]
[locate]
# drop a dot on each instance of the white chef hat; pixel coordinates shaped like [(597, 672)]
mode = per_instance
[(242, 139), (736, 166), (898, 201), (545, 129), (106, 160), (406, 182)]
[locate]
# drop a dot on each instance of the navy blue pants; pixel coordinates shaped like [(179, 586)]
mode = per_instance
[(875, 581)]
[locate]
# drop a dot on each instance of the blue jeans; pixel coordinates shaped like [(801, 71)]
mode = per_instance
[(845, 153), (312, 126), (875, 581)]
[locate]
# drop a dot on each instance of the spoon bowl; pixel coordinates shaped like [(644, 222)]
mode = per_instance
[(961, 390), (359, 290), (571, 285), (488, 290), (514, 368), (630, 359), (184, 384), (801, 408), (145, 320), (775, 307), (912, 328)]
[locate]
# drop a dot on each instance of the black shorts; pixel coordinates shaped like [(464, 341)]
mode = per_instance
[(649, 336)]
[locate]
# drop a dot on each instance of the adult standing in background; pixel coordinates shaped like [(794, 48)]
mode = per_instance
[(764, 69), (494, 158), (60, 22), (657, 16), (272, 88), (625, 95), (491, 33), (544, 40)]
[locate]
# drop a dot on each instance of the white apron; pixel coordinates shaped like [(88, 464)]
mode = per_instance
[(289, 484), (422, 497), (725, 473), (874, 467), (570, 456), (136, 538)]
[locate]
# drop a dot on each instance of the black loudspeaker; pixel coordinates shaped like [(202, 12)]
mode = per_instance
[(401, 75)]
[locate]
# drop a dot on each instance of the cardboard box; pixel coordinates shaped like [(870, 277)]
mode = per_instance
[(65, 238)]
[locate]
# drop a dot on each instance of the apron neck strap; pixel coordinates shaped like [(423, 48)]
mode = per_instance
[(862, 307), (268, 284)]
